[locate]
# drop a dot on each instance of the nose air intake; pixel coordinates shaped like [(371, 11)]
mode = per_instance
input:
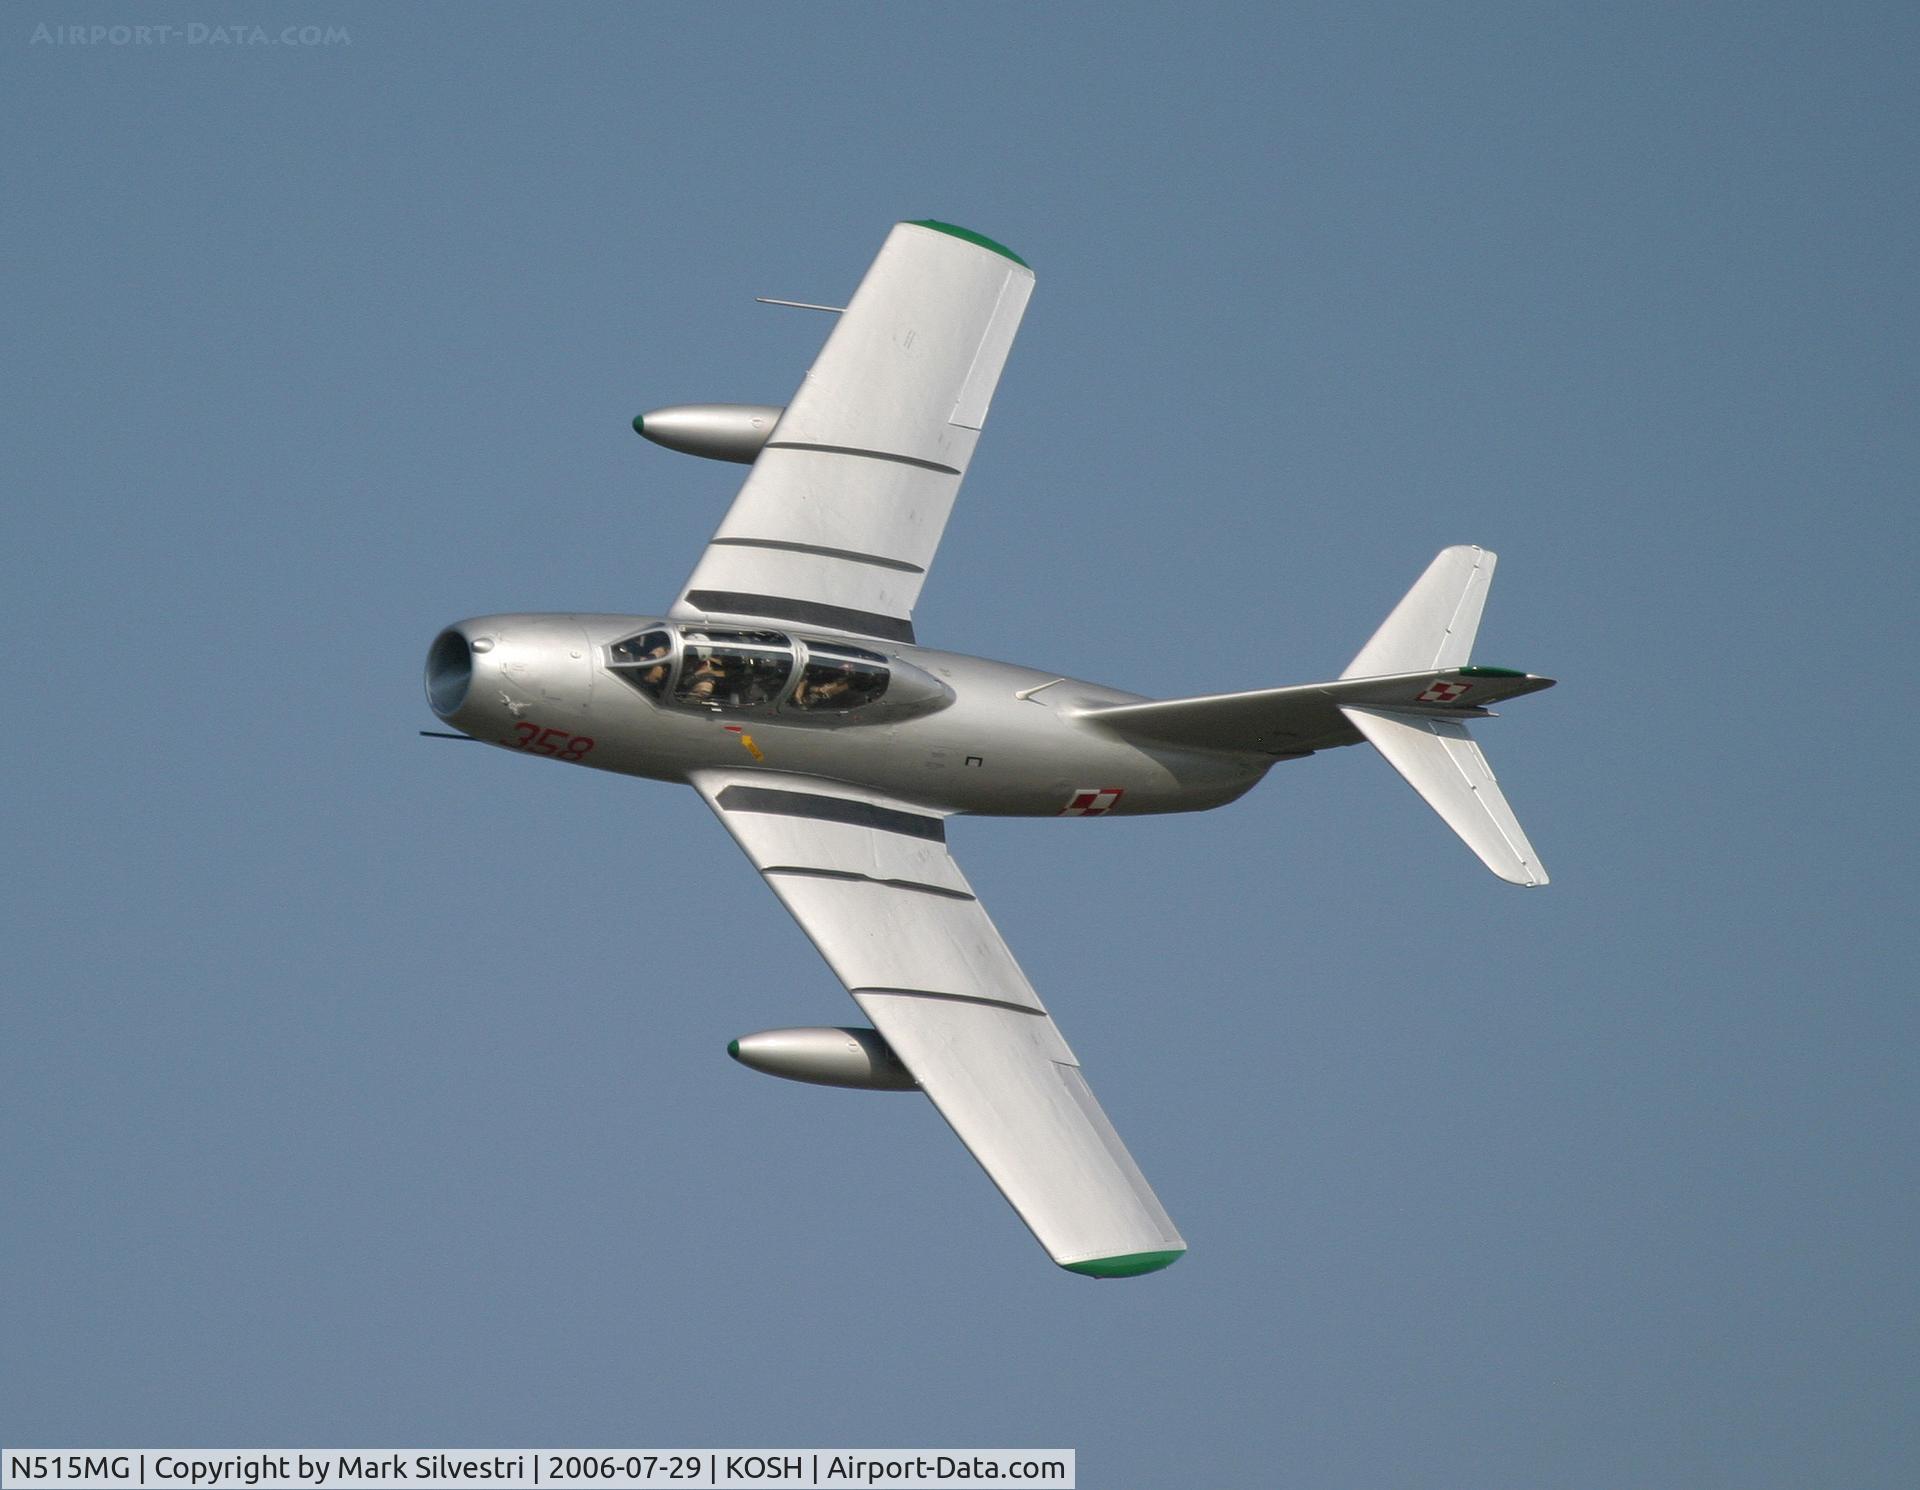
[(449, 672)]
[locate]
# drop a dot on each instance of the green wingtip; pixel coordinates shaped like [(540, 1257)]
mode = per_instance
[(1128, 1265), (733, 1046), (968, 235), (639, 424)]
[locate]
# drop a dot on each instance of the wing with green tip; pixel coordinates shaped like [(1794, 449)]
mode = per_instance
[(871, 883), (838, 523)]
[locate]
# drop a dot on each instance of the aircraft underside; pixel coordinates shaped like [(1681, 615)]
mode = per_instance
[(787, 687)]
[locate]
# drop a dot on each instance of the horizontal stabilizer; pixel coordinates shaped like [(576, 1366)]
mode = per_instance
[(1409, 693), (1308, 716), (1440, 760)]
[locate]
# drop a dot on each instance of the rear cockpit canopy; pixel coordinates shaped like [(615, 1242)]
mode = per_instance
[(728, 671)]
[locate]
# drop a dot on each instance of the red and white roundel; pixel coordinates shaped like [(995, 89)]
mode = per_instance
[(1443, 692), (1093, 801)]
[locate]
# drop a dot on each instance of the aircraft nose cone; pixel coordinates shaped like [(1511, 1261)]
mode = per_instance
[(543, 658), (493, 671)]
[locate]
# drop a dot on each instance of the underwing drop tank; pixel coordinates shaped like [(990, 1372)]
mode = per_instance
[(826, 1057), (732, 432)]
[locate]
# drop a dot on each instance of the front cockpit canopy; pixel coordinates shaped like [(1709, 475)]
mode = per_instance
[(706, 667)]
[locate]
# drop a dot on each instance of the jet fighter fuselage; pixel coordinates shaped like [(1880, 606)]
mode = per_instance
[(961, 734)]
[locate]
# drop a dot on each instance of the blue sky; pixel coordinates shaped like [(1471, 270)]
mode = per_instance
[(367, 1090)]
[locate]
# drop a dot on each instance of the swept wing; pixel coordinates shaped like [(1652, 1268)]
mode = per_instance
[(838, 522), (871, 883)]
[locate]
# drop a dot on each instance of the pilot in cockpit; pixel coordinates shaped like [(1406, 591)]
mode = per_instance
[(657, 653), (816, 692), (706, 680)]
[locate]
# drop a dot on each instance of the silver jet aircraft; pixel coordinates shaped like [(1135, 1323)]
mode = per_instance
[(786, 686)]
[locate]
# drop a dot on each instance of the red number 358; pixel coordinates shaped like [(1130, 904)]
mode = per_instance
[(554, 742)]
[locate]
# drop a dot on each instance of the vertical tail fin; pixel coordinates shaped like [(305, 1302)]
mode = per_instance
[(1432, 628), (1434, 624)]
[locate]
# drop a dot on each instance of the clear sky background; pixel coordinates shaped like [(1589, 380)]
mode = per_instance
[(370, 1090)]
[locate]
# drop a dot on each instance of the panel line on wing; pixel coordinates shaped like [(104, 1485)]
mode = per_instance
[(956, 998), (858, 453), (832, 810), (918, 886), (787, 546)]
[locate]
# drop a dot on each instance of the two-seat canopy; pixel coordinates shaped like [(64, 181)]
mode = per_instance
[(705, 667)]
